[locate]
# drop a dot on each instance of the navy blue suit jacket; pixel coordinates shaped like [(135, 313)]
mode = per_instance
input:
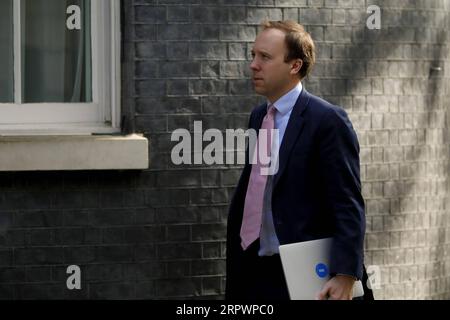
[(317, 189)]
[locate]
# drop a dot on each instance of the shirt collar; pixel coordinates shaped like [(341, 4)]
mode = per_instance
[(287, 102)]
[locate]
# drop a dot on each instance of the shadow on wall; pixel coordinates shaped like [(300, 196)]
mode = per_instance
[(426, 88)]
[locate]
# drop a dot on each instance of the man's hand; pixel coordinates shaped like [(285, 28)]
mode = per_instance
[(339, 287)]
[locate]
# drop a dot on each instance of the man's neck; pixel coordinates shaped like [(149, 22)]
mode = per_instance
[(274, 99)]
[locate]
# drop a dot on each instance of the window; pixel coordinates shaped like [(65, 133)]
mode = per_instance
[(59, 62)]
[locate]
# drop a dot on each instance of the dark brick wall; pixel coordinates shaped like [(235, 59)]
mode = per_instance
[(160, 233)]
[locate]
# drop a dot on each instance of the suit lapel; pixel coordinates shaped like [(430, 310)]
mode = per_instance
[(260, 116), (293, 130)]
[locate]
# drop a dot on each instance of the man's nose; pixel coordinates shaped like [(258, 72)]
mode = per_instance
[(254, 65)]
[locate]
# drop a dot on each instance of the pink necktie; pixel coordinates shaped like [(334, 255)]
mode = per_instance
[(251, 221)]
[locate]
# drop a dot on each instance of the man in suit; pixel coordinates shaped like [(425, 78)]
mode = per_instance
[(316, 191)]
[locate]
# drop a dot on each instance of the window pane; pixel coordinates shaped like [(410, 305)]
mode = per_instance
[(6, 52), (56, 49)]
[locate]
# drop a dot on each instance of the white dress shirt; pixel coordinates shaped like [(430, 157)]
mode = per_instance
[(268, 238)]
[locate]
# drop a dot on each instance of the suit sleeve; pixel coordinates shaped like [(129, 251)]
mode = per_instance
[(339, 157)]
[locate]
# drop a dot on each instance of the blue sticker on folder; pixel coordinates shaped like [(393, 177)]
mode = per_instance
[(322, 270)]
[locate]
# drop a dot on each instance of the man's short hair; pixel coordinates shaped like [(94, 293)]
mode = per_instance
[(298, 42)]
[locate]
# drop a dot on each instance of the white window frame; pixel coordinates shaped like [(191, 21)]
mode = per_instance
[(103, 114)]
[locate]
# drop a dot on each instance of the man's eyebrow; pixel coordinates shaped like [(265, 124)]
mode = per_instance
[(261, 52), (266, 53)]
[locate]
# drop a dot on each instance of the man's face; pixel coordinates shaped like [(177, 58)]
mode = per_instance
[(272, 76)]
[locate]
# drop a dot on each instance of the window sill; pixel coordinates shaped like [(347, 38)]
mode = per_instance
[(54, 153)]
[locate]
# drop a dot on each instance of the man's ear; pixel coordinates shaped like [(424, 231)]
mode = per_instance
[(296, 66)]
